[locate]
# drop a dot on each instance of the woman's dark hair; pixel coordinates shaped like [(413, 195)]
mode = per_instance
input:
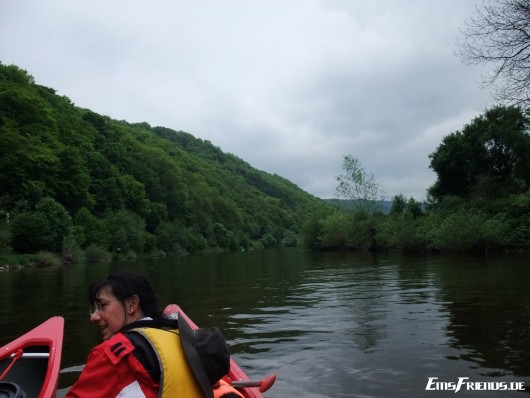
[(124, 285)]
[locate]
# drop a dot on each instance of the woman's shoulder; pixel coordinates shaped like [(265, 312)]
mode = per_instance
[(115, 348)]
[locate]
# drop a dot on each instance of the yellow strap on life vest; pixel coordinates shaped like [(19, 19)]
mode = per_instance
[(177, 379)]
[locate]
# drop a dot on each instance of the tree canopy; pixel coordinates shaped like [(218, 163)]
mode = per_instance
[(128, 186), (358, 186), (479, 202), (489, 158)]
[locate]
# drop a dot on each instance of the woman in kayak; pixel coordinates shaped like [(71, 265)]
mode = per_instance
[(135, 358)]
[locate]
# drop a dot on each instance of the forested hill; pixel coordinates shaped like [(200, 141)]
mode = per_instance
[(70, 175)]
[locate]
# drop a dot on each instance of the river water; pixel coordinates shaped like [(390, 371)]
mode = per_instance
[(328, 324)]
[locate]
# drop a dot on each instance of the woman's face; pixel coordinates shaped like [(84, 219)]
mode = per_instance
[(109, 313)]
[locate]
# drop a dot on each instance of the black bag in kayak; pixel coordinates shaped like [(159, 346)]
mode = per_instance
[(11, 390), (206, 351)]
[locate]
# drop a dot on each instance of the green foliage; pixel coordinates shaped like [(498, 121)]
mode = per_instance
[(5, 237), (455, 226), (15, 75), (268, 240), (46, 259), (337, 231), (30, 232), (193, 241), (58, 220), (96, 254), (168, 234), (73, 180), (25, 165), (128, 187), (513, 214), (464, 231), (127, 231), (13, 259), (357, 229), (290, 239), (91, 230), (71, 252), (342, 230), (43, 228), (400, 233), (398, 204), (134, 196), (401, 206), (414, 208), (225, 239), (358, 186), (71, 186), (311, 232), (489, 158)]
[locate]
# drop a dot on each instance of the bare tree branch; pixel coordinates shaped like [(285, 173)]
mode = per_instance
[(500, 34)]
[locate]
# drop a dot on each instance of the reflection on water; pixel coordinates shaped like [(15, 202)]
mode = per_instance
[(489, 320), (328, 324)]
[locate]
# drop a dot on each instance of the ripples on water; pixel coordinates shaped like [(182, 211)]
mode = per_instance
[(328, 324), (364, 330)]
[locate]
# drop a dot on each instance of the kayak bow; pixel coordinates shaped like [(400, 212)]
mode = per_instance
[(31, 363)]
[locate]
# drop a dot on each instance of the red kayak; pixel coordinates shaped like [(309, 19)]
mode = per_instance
[(30, 364), (236, 377)]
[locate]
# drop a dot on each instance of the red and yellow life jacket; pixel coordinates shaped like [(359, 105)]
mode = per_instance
[(176, 375)]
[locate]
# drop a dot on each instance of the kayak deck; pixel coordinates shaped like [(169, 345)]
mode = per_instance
[(33, 360), (36, 367)]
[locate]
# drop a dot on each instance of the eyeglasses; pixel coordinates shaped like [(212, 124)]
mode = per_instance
[(99, 307)]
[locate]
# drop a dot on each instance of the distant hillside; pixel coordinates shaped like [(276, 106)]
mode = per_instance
[(130, 186)]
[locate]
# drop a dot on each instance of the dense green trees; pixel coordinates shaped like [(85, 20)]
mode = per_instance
[(72, 179), (489, 158), (479, 201)]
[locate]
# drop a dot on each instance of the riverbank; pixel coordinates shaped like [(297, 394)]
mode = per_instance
[(10, 262)]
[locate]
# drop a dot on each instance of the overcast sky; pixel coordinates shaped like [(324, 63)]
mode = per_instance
[(290, 86)]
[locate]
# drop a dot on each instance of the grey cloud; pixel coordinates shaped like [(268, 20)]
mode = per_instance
[(290, 86)]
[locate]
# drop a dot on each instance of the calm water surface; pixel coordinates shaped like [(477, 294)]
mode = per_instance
[(328, 324)]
